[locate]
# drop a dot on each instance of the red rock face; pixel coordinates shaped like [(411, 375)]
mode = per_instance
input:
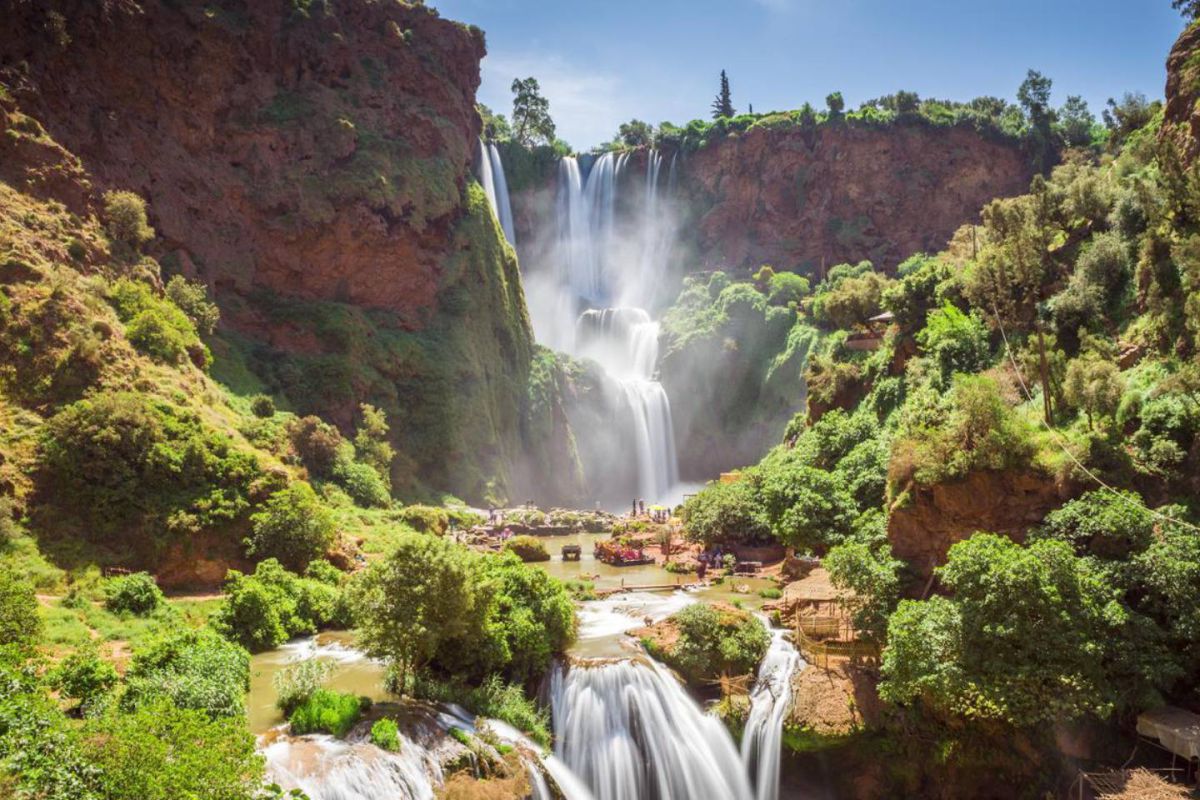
[(320, 156), (798, 200), (1181, 122)]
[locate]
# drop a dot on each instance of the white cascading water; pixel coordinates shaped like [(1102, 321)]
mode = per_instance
[(629, 731), (495, 186), (326, 768), (770, 702), (597, 266)]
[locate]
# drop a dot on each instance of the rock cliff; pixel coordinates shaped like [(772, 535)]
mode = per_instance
[(310, 161)]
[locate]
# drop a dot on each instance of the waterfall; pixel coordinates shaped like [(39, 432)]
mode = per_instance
[(495, 186), (326, 768), (770, 702), (629, 731)]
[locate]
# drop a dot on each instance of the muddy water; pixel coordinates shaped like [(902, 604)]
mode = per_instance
[(352, 672)]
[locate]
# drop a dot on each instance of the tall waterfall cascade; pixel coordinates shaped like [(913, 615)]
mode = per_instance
[(770, 702), (629, 731), (495, 186)]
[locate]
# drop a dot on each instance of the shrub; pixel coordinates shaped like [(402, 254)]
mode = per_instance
[(262, 406), (426, 519), (1102, 524), (20, 623), (715, 642), (527, 548), (326, 711), (156, 326), (494, 699), (160, 752), (317, 443), (362, 482), (192, 668), (83, 676), (296, 683), (385, 734), (807, 508), (271, 606), (957, 342), (136, 594), (293, 527), (192, 299), (125, 220)]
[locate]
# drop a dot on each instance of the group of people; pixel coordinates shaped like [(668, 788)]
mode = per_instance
[(657, 514)]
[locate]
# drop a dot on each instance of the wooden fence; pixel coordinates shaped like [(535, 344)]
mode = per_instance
[(818, 652)]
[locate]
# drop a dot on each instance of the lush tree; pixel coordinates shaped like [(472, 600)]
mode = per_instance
[(1130, 114), (263, 610), (956, 342), (423, 594), (371, 443), (785, 288), (1094, 386), (1102, 523), (1077, 121), (869, 580), (495, 127), (842, 304), (723, 105), (836, 105), (726, 512), (636, 133), (531, 122), (1021, 639), (193, 668), (1189, 8), (808, 508), (317, 443), (20, 623), (294, 527)]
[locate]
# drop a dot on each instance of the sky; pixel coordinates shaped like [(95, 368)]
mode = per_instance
[(604, 63)]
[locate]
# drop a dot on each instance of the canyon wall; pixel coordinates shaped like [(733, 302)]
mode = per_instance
[(310, 161)]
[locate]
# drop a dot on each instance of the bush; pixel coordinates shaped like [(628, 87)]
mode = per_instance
[(527, 548), (362, 482), (296, 683), (317, 443), (136, 594), (956, 342), (125, 220), (262, 406), (83, 676), (714, 642), (385, 734), (20, 623), (156, 326), (326, 711), (294, 527), (194, 669), (160, 752), (1102, 524), (426, 519), (494, 699), (192, 299), (263, 610)]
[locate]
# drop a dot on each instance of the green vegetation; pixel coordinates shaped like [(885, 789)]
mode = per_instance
[(385, 734), (493, 699), (531, 123), (527, 548), (294, 527), (713, 642), (326, 711), (133, 594), (191, 669), (296, 683), (263, 610)]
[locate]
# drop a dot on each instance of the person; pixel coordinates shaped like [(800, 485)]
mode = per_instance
[(642, 503), (634, 512), (702, 567)]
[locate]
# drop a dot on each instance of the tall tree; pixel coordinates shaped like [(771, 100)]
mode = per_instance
[(1077, 121), (723, 105), (1189, 8), (531, 122), (1034, 97)]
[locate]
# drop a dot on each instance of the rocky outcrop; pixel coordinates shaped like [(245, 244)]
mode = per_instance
[(933, 518), (1181, 120), (807, 199), (311, 163)]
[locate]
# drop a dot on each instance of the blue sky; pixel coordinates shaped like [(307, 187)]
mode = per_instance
[(602, 63)]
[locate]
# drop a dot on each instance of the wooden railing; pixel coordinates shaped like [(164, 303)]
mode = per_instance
[(818, 653)]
